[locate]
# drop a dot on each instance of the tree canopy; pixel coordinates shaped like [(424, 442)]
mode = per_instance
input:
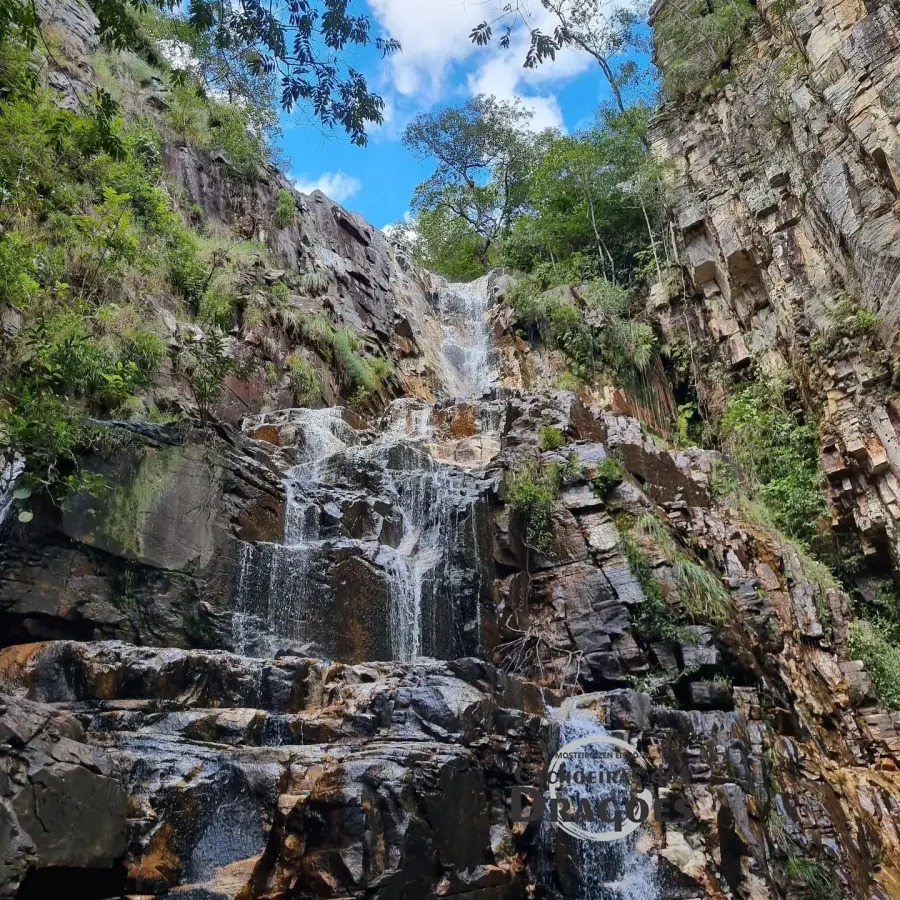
[(501, 194), (301, 42), (484, 158), (611, 34)]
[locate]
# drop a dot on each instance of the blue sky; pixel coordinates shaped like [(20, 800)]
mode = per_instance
[(438, 66)]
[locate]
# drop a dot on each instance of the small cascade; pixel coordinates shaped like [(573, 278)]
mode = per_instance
[(9, 474), (276, 587), (574, 867), (381, 557), (384, 535), (465, 348)]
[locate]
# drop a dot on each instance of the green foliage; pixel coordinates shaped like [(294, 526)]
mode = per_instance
[(648, 525), (314, 283), (595, 196), (698, 41), (239, 51), (724, 481), (449, 245), (877, 645), (484, 155), (163, 417), (320, 334), (218, 127), (88, 226), (607, 477), (551, 438), (381, 368), (615, 38), (654, 619), (701, 592), (596, 336), (818, 879), (303, 378), (779, 454), (531, 495), (206, 363), (570, 333), (846, 319), (215, 309), (284, 208), (352, 366), (702, 595)]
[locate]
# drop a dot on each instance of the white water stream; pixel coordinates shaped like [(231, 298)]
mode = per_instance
[(597, 870), (430, 508)]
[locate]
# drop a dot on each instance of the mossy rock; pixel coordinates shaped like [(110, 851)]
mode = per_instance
[(159, 508)]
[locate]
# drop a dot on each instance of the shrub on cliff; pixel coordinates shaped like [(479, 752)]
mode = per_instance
[(780, 454), (284, 208), (551, 438), (531, 495), (876, 645), (303, 378), (697, 41)]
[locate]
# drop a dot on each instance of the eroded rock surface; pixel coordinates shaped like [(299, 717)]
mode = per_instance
[(279, 777)]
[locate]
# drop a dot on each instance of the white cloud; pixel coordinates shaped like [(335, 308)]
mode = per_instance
[(178, 54), (435, 39), (434, 35), (338, 186), (403, 229)]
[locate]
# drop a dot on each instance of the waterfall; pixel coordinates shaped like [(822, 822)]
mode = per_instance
[(586, 869), (9, 474), (384, 510), (465, 347), (275, 588)]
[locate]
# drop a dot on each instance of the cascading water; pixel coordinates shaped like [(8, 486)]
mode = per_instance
[(465, 349), (276, 589), (587, 869), (384, 510), (9, 474)]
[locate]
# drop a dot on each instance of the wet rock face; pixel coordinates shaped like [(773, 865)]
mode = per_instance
[(148, 559), (382, 762), (280, 776), (60, 804), (385, 554)]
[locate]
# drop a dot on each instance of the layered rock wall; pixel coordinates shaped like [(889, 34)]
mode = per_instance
[(785, 219)]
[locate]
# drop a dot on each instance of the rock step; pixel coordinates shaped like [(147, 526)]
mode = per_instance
[(115, 686)]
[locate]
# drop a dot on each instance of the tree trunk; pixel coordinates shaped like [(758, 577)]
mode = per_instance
[(600, 245), (482, 253), (652, 239)]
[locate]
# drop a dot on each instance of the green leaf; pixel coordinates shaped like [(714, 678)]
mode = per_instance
[(22, 493), (26, 515)]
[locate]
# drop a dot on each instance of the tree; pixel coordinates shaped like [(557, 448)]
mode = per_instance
[(484, 157), (596, 193), (698, 41), (598, 27), (300, 41), (448, 244), (219, 67)]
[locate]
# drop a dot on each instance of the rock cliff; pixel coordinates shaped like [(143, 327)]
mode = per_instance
[(785, 219), (309, 653)]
